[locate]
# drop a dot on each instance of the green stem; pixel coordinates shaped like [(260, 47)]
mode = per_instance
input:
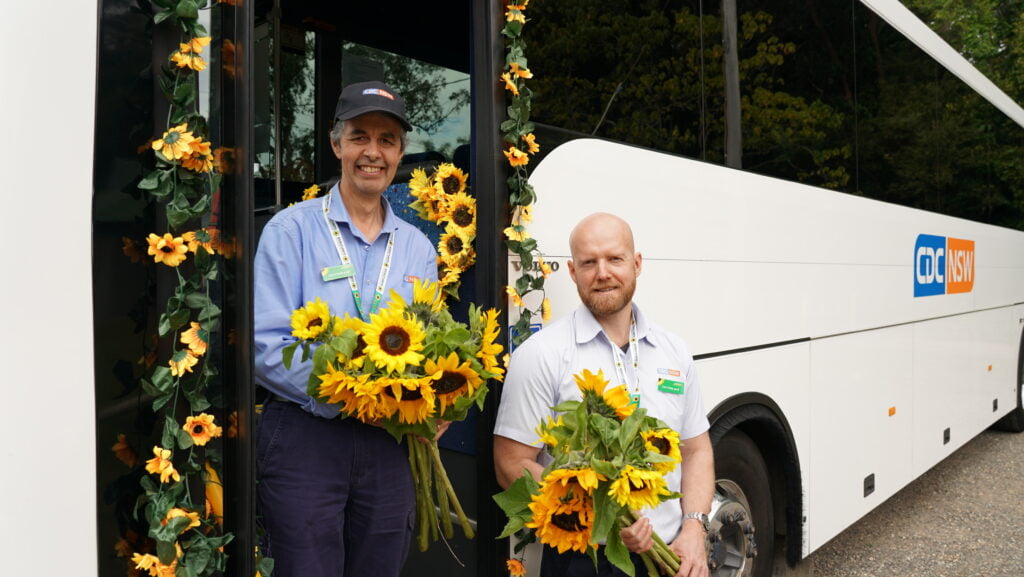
[(444, 509), (442, 477), (652, 571), (421, 514)]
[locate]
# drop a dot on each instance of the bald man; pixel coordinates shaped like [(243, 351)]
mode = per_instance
[(609, 333)]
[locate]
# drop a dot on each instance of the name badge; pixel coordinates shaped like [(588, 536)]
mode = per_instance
[(634, 400), (671, 387), (336, 272)]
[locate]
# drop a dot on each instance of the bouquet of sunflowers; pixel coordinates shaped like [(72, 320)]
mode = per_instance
[(411, 365), (610, 460)]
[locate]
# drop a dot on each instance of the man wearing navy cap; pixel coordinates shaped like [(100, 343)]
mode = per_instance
[(336, 495)]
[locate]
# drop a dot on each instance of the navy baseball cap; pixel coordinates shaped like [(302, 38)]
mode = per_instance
[(374, 96)]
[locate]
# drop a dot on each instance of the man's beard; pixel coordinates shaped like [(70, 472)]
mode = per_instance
[(603, 305)]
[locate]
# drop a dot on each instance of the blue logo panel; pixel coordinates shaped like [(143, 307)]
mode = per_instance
[(929, 265)]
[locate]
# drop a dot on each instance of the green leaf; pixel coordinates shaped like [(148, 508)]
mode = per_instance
[(197, 300), (159, 402), (606, 510), (173, 321), (456, 336), (152, 180), (630, 427), (566, 407), (287, 353), (171, 428), (199, 556), (162, 379), (197, 400), (606, 428), (346, 342), (161, 16), (605, 468), (209, 313), (617, 553), (176, 217), (514, 500), (523, 284), (166, 552), (187, 9)]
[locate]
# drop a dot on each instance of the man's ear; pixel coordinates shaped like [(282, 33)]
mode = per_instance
[(572, 270), (638, 261)]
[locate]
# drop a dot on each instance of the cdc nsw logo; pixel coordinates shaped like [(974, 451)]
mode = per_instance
[(942, 265)]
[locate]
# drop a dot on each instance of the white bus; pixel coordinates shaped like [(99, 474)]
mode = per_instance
[(823, 194)]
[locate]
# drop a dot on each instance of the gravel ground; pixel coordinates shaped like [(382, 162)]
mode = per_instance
[(964, 518)]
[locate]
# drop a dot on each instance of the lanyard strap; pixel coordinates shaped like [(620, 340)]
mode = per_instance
[(385, 268), (634, 355)]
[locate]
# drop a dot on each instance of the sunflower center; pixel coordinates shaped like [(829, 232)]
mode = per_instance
[(567, 521), (317, 322), (166, 249), (660, 444), (462, 216), (454, 245), (394, 340), (407, 394), (197, 430), (172, 137), (360, 346), (449, 382), (635, 485), (450, 184)]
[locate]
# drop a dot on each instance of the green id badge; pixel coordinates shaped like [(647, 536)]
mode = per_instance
[(336, 272), (673, 387)]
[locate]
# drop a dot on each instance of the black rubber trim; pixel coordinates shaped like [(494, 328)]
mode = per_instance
[(748, 349)]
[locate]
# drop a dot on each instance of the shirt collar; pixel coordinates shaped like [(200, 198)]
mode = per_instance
[(587, 327), (339, 213)]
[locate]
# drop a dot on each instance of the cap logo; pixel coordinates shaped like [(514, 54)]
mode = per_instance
[(379, 92)]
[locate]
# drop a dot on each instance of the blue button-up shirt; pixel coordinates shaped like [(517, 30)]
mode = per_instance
[(294, 247)]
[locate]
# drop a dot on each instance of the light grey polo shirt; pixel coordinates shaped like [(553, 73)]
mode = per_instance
[(540, 376)]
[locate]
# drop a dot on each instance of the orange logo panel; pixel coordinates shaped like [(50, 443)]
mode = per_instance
[(959, 265)]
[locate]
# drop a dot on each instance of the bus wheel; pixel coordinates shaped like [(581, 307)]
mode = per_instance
[(1014, 420), (742, 537)]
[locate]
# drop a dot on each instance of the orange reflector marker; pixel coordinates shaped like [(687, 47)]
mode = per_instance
[(990, 368), (892, 411)]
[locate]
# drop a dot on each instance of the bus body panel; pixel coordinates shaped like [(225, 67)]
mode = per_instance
[(825, 282), (49, 432)]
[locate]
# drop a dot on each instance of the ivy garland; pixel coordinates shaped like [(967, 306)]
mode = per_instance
[(520, 143)]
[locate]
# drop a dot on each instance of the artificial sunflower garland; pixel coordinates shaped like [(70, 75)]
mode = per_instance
[(610, 460), (409, 366), (520, 143), (184, 533), (441, 198)]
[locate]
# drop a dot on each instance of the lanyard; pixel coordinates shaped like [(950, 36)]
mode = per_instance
[(634, 355), (339, 245)]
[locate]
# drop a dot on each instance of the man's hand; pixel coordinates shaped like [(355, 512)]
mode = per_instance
[(442, 426), (637, 537), (693, 556)]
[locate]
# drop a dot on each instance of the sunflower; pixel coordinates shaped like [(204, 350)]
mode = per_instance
[(544, 431), (523, 215), (201, 159), (427, 293), (561, 525), (311, 192), (310, 321), (450, 179), (394, 340), (357, 325), (130, 248), (545, 268), (638, 488), (198, 238), (514, 295), (196, 338), (545, 309), (456, 249), (509, 84), (451, 276), (516, 157), (516, 232), (515, 567), (572, 483), (612, 402), (169, 250), (224, 159), (489, 349), (152, 564), (531, 143), (520, 72), (201, 429), (462, 214), (453, 380), (515, 14), (161, 464), (411, 398), (185, 59), (181, 362), (359, 396), (174, 513), (124, 452), (664, 442), (175, 143), (196, 45), (419, 183)]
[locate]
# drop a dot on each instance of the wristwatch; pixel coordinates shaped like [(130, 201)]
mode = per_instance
[(703, 518)]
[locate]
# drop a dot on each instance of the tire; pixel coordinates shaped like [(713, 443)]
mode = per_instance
[(743, 494), (1014, 420)]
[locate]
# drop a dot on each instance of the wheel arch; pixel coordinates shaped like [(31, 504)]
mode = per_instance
[(760, 418)]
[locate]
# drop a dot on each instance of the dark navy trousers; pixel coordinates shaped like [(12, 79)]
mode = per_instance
[(335, 495), (574, 564)]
